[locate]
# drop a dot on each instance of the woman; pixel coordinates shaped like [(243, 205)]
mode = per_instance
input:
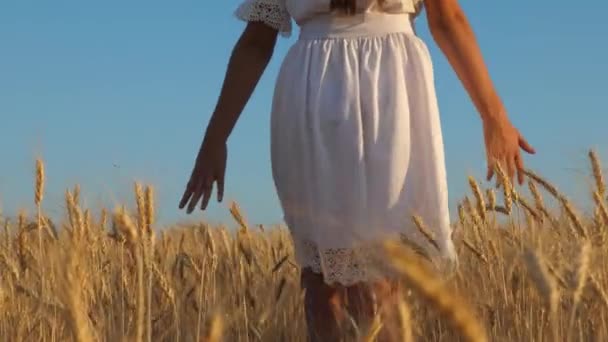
[(356, 141)]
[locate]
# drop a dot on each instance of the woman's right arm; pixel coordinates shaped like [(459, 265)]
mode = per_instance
[(248, 61)]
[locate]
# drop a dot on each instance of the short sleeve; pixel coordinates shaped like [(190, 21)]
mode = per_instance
[(271, 12)]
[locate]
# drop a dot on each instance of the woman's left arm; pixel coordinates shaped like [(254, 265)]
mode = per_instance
[(454, 36)]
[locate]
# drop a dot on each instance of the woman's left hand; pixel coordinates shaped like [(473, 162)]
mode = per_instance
[(503, 143)]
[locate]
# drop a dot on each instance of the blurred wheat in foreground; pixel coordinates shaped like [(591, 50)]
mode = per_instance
[(527, 272)]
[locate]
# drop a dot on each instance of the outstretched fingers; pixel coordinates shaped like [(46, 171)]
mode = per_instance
[(491, 166), (198, 193), (187, 195), (208, 190), (511, 168), (220, 188), (526, 146), (520, 169), (201, 189)]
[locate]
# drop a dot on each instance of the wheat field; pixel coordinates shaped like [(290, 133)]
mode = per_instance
[(527, 272)]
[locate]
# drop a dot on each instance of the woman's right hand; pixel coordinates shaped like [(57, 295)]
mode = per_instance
[(210, 167), (248, 60)]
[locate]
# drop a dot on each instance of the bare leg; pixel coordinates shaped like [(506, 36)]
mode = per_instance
[(366, 301), (323, 306)]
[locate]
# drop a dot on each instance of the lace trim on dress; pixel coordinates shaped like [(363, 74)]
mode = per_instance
[(342, 265), (270, 12), (362, 264)]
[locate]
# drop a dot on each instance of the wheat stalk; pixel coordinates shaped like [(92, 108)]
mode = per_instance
[(507, 188), (215, 330), (128, 228), (103, 219), (539, 203), (601, 208), (475, 251), (545, 184), (170, 293), (491, 194), (579, 280), (406, 321), (149, 208), (38, 196), (542, 279), (428, 235), (140, 201), (10, 265), (576, 220), (74, 288), (581, 272), (238, 216), (596, 167), (481, 203), (374, 330), (599, 290), (450, 305), (545, 284), (76, 194)]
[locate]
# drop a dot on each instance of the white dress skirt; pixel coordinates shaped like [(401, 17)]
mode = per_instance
[(356, 141)]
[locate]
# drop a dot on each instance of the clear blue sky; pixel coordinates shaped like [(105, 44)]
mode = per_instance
[(91, 84)]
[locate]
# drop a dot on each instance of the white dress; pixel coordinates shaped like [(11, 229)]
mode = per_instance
[(356, 141)]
